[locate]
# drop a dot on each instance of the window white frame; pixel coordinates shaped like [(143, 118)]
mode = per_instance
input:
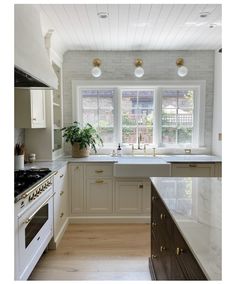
[(199, 103)]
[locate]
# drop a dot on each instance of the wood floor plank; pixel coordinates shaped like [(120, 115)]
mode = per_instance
[(98, 252)]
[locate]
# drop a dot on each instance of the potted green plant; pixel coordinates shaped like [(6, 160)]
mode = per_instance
[(82, 139)]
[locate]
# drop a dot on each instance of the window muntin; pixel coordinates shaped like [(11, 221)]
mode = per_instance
[(137, 115), (177, 116), (98, 109)]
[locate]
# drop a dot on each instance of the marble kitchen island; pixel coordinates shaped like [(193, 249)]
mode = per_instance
[(192, 208)]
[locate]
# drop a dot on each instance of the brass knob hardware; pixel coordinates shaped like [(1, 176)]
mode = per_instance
[(99, 181), (62, 214), (162, 216), (154, 198), (140, 186), (162, 248), (192, 165), (77, 168), (61, 176), (61, 193), (99, 171), (154, 224), (154, 256), (179, 251)]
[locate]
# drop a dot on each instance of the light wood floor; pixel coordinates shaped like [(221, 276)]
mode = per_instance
[(98, 252)]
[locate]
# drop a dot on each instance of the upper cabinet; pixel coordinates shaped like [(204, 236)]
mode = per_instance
[(30, 108)]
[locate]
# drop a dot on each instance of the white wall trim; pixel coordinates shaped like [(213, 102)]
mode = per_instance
[(109, 219)]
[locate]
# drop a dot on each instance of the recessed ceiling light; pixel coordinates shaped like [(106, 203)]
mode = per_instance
[(204, 14), (212, 26), (103, 15)]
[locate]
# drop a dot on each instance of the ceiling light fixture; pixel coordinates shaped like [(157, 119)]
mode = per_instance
[(103, 15), (96, 71), (204, 14), (139, 71), (182, 70)]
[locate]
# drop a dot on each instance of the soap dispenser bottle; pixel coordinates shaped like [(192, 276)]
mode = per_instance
[(119, 150)]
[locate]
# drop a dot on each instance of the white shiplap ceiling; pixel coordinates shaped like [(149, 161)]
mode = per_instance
[(132, 27)]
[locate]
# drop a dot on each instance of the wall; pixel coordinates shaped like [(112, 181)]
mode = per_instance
[(158, 65), (217, 109), (19, 135)]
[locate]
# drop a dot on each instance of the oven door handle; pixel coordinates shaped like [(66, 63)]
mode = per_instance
[(31, 216)]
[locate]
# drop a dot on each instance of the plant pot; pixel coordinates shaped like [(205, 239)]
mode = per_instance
[(77, 152)]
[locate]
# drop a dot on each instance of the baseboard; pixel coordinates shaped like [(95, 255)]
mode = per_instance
[(109, 219), (55, 241)]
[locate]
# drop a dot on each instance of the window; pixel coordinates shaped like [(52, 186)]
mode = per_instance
[(166, 116), (98, 110), (177, 116), (137, 112)]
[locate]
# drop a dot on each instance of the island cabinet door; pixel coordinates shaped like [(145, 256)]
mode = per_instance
[(185, 258), (161, 257)]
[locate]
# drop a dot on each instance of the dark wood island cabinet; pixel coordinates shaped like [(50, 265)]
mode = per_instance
[(171, 257)]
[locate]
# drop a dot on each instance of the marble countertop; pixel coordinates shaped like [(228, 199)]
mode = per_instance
[(195, 205), (124, 160)]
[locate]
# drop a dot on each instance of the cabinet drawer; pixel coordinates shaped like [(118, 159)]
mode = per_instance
[(99, 170), (60, 179), (193, 170)]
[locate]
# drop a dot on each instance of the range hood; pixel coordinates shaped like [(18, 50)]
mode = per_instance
[(32, 63)]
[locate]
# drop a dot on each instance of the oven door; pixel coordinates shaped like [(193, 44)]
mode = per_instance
[(35, 232)]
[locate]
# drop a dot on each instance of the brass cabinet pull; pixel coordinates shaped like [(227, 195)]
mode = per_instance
[(34, 119), (154, 256), (179, 251), (154, 224), (192, 165), (99, 181), (99, 171), (62, 214), (61, 193), (162, 248), (154, 198), (77, 168), (140, 186), (61, 176), (162, 216)]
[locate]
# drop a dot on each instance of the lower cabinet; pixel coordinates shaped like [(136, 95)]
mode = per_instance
[(95, 193), (171, 258), (60, 205), (99, 195), (195, 170)]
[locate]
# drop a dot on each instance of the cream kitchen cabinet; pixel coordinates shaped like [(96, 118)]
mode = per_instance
[(99, 194), (47, 143), (132, 196), (60, 184), (30, 108), (193, 169), (76, 185), (99, 188)]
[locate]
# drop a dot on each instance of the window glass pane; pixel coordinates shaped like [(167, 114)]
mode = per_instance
[(129, 135), (106, 118), (129, 118), (145, 117), (185, 135), (168, 135), (98, 110), (177, 116), (137, 110), (90, 116), (146, 134), (107, 134), (129, 99)]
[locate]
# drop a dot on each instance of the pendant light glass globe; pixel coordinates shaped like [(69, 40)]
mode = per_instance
[(139, 72), (182, 71), (96, 72)]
